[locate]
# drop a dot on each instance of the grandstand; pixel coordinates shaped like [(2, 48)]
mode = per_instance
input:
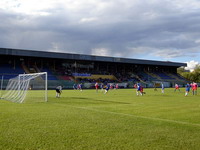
[(66, 69)]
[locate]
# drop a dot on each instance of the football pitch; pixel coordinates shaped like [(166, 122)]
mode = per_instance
[(118, 120)]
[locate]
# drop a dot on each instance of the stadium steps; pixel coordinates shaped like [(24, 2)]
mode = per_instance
[(142, 81), (139, 78), (25, 69), (36, 68), (164, 76), (72, 78), (178, 77), (68, 78), (153, 76), (182, 78), (32, 70), (51, 74), (97, 76)]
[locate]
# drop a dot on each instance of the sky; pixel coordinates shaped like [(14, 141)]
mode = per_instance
[(164, 30)]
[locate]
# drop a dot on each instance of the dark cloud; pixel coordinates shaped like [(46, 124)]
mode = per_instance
[(118, 28)]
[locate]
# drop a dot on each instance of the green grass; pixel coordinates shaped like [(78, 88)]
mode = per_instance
[(93, 121)]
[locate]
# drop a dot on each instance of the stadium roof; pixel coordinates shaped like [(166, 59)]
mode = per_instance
[(42, 54)]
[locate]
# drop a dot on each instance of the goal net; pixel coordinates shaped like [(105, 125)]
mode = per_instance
[(27, 88)]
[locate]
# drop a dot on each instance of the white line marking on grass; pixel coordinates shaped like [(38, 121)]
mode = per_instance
[(136, 116)]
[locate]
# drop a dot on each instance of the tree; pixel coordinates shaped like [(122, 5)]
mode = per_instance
[(191, 76), (196, 73), (180, 70)]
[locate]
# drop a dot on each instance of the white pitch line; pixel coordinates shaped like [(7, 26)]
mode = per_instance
[(144, 117)]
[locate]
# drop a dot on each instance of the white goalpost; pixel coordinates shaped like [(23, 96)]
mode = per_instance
[(27, 88)]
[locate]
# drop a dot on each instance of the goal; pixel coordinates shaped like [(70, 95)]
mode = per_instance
[(27, 88)]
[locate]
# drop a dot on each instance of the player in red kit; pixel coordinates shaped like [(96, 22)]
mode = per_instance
[(96, 86)]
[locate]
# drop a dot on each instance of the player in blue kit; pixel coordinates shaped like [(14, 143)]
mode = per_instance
[(162, 88), (187, 89), (107, 88), (101, 86), (75, 87), (139, 89)]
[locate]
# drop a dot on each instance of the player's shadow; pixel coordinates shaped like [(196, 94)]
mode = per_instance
[(95, 101), (163, 95)]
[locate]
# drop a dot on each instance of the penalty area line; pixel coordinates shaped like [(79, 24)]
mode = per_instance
[(136, 116)]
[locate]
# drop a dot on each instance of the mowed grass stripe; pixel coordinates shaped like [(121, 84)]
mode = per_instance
[(136, 116), (117, 120)]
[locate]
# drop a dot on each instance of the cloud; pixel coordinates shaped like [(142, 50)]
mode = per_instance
[(100, 52), (122, 28), (191, 65), (168, 53), (88, 20)]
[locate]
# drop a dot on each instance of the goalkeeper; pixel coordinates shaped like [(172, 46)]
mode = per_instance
[(58, 91)]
